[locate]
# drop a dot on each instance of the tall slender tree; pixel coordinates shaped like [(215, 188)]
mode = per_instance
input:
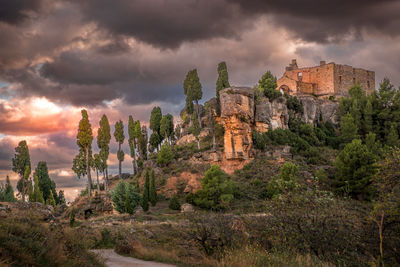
[(146, 194), (223, 80), (132, 142), (44, 182), (167, 127), (22, 164), (196, 91), (119, 137), (155, 119), (84, 141), (103, 142), (152, 189), (98, 165), (37, 193)]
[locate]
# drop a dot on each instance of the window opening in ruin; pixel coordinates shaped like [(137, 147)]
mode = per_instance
[(368, 84), (340, 79), (354, 71), (354, 80), (300, 76)]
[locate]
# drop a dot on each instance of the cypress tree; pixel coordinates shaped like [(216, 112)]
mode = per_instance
[(44, 181), (61, 197), (7, 192), (132, 142), (155, 119), (197, 93), (98, 165), (103, 142), (51, 201), (22, 165), (155, 140), (37, 193), (119, 137), (196, 129), (167, 127), (153, 191), (223, 80), (146, 193), (392, 138), (348, 128), (84, 141)]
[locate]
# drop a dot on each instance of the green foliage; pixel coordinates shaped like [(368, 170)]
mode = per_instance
[(165, 156), (7, 192), (354, 168), (223, 80), (37, 195), (22, 165), (132, 136), (51, 200), (79, 164), (120, 155), (372, 144), (106, 241), (146, 192), (103, 139), (119, 132), (167, 126), (392, 138), (155, 119), (46, 185), (192, 89), (61, 197), (348, 129), (174, 203), (267, 84), (218, 190), (84, 137), (152, 190), (293, 103), (285, 182), (155, 140), (125, 198)]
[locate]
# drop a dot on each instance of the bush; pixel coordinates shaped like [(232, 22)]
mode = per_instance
[(218, 190), (72, 217), (125, 198), (293, 103), (174, 203), (285, 182), (165, 156), (106, 241)]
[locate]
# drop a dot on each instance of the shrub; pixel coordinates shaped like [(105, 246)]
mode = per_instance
[(72, 217), (285, 182), (125, 198), (165, 156), (218, 190), (174, 203), (106, 241), (293, 103)]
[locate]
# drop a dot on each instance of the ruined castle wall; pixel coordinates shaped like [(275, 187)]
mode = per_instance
[(322, 76), (289, 82), (346, 76)]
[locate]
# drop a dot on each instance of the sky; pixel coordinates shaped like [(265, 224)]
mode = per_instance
[(123, 57)]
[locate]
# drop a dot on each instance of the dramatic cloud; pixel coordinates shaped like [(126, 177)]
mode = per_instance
[(123, 57)]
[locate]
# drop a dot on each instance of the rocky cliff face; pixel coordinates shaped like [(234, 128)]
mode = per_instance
[(240, 115), (237, 116), (271, 115), (314, 108)]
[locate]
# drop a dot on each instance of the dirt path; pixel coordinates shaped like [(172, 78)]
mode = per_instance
[(115, 260)]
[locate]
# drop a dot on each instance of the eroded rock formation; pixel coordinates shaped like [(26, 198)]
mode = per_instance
[(237, 116), (271, 115)]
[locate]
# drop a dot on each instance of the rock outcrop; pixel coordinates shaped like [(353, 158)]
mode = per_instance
[(237, 116), (314, 108), (271, 115)]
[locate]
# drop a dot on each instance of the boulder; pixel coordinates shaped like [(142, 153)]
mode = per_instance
[(314, 108), (187, 208)]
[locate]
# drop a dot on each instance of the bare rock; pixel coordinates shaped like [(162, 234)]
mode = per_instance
[(187, 208), (271, 115)]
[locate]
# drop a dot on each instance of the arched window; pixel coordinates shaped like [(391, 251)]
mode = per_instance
[(299, 76)]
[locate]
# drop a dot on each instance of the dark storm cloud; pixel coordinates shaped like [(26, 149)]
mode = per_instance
[(15, 11), (326, 20), (166, 24)]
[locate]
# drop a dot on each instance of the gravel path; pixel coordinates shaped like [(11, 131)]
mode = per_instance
[(115, 260)]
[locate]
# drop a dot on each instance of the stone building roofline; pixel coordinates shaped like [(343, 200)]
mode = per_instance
[(322, 63)]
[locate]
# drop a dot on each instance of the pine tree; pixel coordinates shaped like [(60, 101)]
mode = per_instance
[(354, 168), (22, 164), (132, 142), (193, 91), (7, 192), (155, 119), (392, 138), (223, 80), (103, 142), (372, 144), (348, 128), (145, 194), (84, 141), (174, 203), (51, 201), (119, 137), (37, 194), (153, 191)]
